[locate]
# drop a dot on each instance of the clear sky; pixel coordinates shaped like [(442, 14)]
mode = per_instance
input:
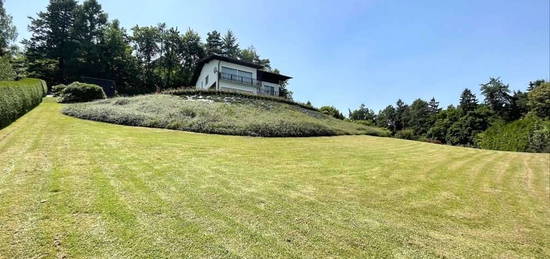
[(348, 52)]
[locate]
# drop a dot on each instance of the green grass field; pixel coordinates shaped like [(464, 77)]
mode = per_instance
[(77, 188)]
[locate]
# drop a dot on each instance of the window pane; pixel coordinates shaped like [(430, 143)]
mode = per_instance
[(229, 71)]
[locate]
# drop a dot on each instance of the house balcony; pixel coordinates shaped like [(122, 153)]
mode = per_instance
[(240, 80)]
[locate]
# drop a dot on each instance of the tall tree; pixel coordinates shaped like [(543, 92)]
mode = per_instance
[(116, 59), (89, 25), (172, 58), (146, 43), (387, 118), (539, 100), (214, 43), (52, 37), (401, 111), (8, 32), (250, 55), (468, 101), (192, 51), (497, 96), (230, 45), (419, 117), (362, 113)]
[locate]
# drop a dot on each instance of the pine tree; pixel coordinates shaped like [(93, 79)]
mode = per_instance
[(214, 43), (230, 46), (468, 101)]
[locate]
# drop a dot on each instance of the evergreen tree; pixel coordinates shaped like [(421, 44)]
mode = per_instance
[(419, 117), (146, 44), (250, 55), (230, 46), (89, 25), (401, 111), (497, 96), (8, 32), (214, 43), (53, 39), (387, 118), (468, 101), (192, 51)]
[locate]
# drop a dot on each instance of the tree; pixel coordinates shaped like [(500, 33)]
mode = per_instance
[(419, 117), (52, 38), (464, 131), (8, 32), (443, 121), (6, 70), (192, 51), (401, 111), (146, 40), (539, 100), (230, 46), (214, 43), (250, 55), (497, 96), (172, 58), (362, 113), (468, 101), (116, 59), (433, 106), (332, 111), (89, 25), (284, 92), (387, 118)]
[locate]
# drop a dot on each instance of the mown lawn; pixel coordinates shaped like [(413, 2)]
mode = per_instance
[(77, 188)]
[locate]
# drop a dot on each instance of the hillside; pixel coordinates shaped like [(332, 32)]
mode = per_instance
[(230, 115), (79, 188)]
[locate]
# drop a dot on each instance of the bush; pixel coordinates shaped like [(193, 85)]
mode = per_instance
[(19, 97), (187, 92), (6, 70), (220, 115), (58, 89), (405, 134), (530, 134), (81, 92)]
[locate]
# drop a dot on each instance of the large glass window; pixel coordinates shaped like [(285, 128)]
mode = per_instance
[(237, 75)]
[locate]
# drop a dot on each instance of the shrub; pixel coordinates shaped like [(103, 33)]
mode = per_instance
[(19, 97), (530, 134), (6, 70), (220, 115), (81, 92), (405, 134), (58, 89), (187, 92)]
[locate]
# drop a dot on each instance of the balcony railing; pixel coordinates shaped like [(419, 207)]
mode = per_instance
[(240, 79)]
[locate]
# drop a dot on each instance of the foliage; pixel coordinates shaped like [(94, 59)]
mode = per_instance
[(19, 97), (539, 100), (497, 96), (230, 45), (8, 32), (362, 113), (193, 91), (530, 134), (406, 134), (214, 43), (6, 70), (58, 89), (332, 111), (468, 101), (81, 92), (217, 114), (419, 117)]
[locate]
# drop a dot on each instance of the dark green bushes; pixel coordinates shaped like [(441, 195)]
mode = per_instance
[(19, 97), (81, 92), (58, 89), (192, 91), (530, 134)]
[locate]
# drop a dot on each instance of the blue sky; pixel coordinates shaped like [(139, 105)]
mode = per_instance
[(345, 53)]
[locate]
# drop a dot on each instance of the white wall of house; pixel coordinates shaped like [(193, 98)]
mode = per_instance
[(207, 70), (210, 69)]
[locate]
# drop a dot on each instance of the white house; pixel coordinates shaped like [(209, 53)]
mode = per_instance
[(227, 74)]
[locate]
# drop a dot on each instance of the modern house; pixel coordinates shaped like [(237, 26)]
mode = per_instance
[(228, 74)]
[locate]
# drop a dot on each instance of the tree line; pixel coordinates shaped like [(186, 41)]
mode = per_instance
[(458, 125), (71, 40)]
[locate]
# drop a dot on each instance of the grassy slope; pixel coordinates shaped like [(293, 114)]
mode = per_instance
[(82, 188), (230, 115)]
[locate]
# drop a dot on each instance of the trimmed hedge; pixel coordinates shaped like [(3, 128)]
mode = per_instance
[(81, 92), (529, 134), (238, 94), (19, 97)]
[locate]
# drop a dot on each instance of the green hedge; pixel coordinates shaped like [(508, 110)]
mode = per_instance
[(530, 134), (19, 97), (81, 92), (238, 94)]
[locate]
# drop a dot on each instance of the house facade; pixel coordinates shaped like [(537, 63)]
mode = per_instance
[(227, 74)]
